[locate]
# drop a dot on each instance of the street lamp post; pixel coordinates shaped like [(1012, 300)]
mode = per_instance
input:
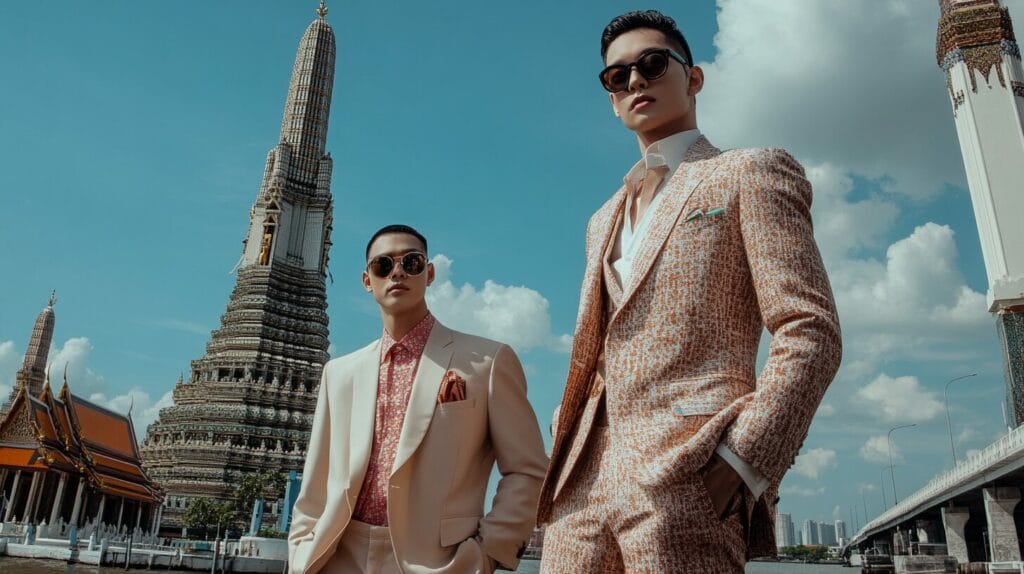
[(949, 424), (892, 473), (881, 480)]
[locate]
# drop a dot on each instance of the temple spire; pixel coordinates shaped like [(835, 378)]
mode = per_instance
[(32, 373), (322, 10)]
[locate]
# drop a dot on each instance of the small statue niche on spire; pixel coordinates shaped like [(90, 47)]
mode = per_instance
[(322, 10), (53, 297)]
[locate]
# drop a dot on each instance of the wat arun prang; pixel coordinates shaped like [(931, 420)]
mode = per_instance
[(248, 403)]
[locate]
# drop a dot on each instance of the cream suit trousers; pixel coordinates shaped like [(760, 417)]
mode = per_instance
[(363, 549)]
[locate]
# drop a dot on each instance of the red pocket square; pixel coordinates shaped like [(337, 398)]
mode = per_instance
[(453, 388)]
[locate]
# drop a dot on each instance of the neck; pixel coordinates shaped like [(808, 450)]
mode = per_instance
[(648, 137), (398, 325)]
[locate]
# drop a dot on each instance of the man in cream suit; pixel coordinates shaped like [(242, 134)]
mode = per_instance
[(405, 435), (668, 448)]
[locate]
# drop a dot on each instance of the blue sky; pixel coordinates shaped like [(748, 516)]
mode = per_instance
[(135, 136)]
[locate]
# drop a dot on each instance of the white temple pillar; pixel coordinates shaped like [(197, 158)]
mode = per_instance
[(14, 497), (152, 519), (120, 513), (138, 517), (103, 506), (26, 514), (78, 502), (159, 519), (59, 500)]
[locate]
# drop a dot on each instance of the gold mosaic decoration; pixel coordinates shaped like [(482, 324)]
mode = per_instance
[(977, 33)]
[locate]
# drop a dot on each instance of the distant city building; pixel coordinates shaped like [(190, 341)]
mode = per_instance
[(810, 532), (784, 532), (826, 534), (841, 530)]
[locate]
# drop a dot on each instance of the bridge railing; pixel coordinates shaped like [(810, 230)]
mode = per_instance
[(991, 456)]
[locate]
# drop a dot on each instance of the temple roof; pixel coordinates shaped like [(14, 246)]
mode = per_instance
[(72, 434)]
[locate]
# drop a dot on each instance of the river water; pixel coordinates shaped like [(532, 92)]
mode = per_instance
[(29, 566)]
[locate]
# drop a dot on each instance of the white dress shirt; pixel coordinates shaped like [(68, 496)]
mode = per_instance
[(667, 152)]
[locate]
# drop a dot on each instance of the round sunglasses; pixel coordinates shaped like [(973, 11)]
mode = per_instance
[(652, 64), (413, 263)]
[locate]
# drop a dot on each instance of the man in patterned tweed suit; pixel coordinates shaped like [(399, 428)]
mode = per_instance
[(668, 448)]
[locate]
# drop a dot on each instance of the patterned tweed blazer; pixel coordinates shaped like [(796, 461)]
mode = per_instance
[(730, 251)]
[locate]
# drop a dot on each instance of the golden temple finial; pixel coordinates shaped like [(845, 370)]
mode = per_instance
[(322, 10), (53, 297)]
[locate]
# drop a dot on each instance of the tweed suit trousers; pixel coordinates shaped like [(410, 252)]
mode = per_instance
[(605, 522)]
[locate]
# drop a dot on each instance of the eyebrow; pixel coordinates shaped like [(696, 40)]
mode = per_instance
[(396, 253), (638, 56)]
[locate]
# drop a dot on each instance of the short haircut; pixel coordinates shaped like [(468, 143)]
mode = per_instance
[(651, 19), (396, 228)]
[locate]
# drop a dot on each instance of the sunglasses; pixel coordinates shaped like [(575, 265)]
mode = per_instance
[(413, 263), (652, 64)]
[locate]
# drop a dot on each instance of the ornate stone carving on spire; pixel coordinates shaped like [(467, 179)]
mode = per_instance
[(978, 33), (32, 373), (322, 10), (275, 324)]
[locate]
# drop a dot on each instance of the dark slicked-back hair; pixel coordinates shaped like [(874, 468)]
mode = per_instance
[(645, 19), (397, 228)]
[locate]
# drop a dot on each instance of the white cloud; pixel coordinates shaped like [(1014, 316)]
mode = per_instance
[(516, 315), (968, 434), (815, 461), (843, 225), (865, 487), (900, 399), (10, 361), (144, 411), (853, 82), (802, 491), (826, 410), (919, 287), (876, 450), (75, 355)]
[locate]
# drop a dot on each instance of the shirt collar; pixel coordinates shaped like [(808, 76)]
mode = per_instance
[(414, 341), (667, 152)]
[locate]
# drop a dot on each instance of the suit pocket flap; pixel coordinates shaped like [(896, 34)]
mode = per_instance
[(458, 528)]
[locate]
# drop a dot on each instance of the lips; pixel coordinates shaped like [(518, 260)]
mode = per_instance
[(398, 287), (640, 100)]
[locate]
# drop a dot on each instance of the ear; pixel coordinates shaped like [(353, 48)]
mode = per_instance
[(366, 282), (695, 82), (430, 273), (611, 100)]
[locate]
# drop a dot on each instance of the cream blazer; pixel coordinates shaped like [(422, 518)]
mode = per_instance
[(445, 456)]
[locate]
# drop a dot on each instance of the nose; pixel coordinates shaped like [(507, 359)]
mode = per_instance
[(636, 80), (398, 273)]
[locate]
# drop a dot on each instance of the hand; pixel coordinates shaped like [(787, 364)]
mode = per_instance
[(723, 485)]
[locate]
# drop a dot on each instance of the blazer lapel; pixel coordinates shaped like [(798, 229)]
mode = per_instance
[(677, 192), (611, 282), (364, 411), (437, 355), (586, 341)]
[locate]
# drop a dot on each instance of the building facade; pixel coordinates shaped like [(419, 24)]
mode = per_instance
[(978, 51), (247, 404), (784, 535)]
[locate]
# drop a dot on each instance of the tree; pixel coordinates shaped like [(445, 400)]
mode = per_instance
[(267, 485), (204, 513)]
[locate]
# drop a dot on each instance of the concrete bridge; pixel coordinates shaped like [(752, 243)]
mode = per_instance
[(971, 512)]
